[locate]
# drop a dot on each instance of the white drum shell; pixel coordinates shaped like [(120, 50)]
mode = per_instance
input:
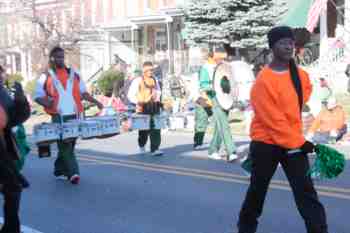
[(160, 121), (140, 121), (177, 122), (109, 124), (190, 121), (90, 129), (46, 132), (70, 130)]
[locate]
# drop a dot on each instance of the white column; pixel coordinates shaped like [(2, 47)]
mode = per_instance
[(93, 12), (133, 47), (29, 65), (347, 27), (13, 57), (105, 10), (8, 63), (64, 21), (323, 34), (24, 70), (82, 13), (169, 20), (107, 52)]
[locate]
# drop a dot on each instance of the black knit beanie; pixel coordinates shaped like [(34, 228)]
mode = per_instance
[(277, 33)]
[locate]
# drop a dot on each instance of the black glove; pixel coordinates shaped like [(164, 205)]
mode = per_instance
[(308, 147)]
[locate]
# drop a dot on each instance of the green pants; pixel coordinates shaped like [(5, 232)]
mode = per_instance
[(154, 134), (201, 119), (222, 131), (66, 162)]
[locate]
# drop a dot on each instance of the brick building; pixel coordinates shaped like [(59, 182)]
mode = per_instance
[(99, 30), (131, 31)]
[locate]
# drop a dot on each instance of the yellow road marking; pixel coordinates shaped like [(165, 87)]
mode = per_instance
[(226, 177), (221, 174)]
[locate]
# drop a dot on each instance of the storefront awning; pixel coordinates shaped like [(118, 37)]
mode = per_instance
[(297, 13)]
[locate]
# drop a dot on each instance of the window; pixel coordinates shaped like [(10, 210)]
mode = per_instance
[(161, 39)]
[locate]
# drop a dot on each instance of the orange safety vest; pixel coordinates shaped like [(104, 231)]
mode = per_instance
[(146, 89), (63, 76)]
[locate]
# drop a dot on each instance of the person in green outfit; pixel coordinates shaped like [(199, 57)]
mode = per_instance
[(222, 132), (61, 91), (203, 108)]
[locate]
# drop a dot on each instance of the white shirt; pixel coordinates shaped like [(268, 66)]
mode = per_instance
[(40, 86), (134, 89)]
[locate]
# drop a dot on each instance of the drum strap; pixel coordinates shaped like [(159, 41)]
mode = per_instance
[(66, 95)]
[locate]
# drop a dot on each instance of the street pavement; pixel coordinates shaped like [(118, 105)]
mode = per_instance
[(122, 191)]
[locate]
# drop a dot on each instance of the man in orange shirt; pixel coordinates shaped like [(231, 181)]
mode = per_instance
[(330, 123), (277, 97), (61, 91)]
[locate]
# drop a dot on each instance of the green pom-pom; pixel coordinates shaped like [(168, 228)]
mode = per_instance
[(329, 162)]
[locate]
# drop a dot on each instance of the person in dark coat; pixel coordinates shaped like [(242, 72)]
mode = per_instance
[(13, 111)]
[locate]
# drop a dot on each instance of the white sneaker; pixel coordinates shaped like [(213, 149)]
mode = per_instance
[(142, 150), (61, 177), (198, 147), (157, 153), (214, 156), (232, 157)]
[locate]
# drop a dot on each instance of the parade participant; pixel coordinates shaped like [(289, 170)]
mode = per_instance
[(20, 136), (222, 130), (277, 97), (13, 111), (145, 93), (203, 108), (329, 125), (60, 91)]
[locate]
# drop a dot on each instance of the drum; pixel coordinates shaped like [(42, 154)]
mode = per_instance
[(177, 122), (110, 126), (160, 121), (90, 129), (70, 130), (140, 121), (46, 133), (190, 121)]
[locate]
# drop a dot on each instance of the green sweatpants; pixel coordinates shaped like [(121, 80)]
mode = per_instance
[(66, 162), (201, 119), (154, 134), (222, 131)]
